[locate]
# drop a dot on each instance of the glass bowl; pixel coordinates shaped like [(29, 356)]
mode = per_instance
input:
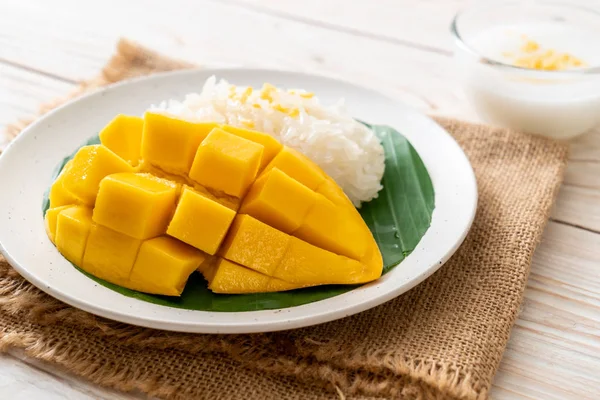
[(556, 103)]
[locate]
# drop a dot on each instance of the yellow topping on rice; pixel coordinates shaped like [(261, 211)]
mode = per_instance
[(246, 94), (292, 112), (267, 92)]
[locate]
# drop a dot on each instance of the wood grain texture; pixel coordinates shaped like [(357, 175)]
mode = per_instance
[(399, 47)]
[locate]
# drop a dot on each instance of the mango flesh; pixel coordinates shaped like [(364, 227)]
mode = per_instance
[(123, 135), (51, 220), (90, 165), (279, 200), (168, 259), (270, 144), (226, 163), (145, 210), (59, 196), (200, 221), (139, 205), (73, 226), (171, 144)]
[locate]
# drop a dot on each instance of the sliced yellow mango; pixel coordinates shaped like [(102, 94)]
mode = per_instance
[(163, 266), (200, 221), (123, 135), (51, 219), (90, 165), (254, 244), (333, 192), (279, 201), (177, 212), (271, 145), (298, 166), (138, 205), (232, 278), (73, 226), (109, 255), (306, 264), (59, 196), (226, 162), (330, 226), (171, 143)]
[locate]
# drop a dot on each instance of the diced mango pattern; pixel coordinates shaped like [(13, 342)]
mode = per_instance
[(161, 198)]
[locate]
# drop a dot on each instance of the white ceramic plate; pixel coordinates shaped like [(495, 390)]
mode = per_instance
[(26, 170)]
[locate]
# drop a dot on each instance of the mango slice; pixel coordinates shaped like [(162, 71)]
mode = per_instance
[(123, 135), (329, 226), (145, 211), (226, 162), (255, 244), (170, 143), (51, 220), (279, 200), (299, 167), (73, 226), (200, 221), (270, 144), (139, 205), (90, 165), (306, 264), (59, 196), (163, 266), (231, 278), (110, 255)]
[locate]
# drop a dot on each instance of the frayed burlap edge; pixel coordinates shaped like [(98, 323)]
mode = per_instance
[(397, 374)]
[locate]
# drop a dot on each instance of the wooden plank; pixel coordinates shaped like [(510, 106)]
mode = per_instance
[(22, 93), (422, 24), (555, 343), (25, 379), (578, 206), (80, 37)]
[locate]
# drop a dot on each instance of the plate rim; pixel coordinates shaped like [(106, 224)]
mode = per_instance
[(234, 326)]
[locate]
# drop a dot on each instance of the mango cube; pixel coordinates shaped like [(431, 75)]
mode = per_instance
[(279, 201), (200, 221), (271, 145), (90, 165), (226, 163), (51, 219), (123, 135), (254, 244), (73, 226), (306, 264), (109, 255), (232, 278), (58, 195), (138, 205), (171, 143), (333, 228), (163, 266), (297, 166)]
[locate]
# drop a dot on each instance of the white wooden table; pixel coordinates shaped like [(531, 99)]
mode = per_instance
[(401, 47)]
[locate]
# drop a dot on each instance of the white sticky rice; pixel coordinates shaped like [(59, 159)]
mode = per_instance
[(346, 150)]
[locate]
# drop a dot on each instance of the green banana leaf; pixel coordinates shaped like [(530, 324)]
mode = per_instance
[(398, 219)]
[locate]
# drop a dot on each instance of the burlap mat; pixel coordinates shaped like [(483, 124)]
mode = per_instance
[(443, 339)]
